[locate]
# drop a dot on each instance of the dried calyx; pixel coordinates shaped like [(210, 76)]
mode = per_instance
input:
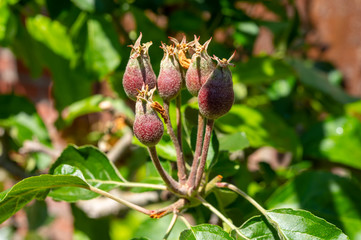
[(201, 67), (169, 81), (216, 96), (182, 50), (139, 70), (148, 128)]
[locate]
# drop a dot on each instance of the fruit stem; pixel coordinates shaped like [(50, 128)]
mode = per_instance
[(255, 204), (179, 120), (221, 216), (185, 221), (171, 225), (207, 139), (168, 180), (197, 152), (182, 176)]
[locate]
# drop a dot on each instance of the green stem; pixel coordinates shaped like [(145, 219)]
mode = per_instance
[(130, 184), (207, 140), (171, 225), (185, 221), (119, 200), (197, 152), (221, 216), (255, 204), (182, 176)]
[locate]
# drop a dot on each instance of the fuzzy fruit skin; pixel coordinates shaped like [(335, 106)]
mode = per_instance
[(148, 128), (139, 71), (169, 81), (216, 96), (200, 69)]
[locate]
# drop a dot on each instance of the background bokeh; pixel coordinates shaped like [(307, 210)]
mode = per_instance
[(292, 139)]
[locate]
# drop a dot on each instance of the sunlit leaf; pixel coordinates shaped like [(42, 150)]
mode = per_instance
[(336, 139), (261, 69), (31, 188), (294, 224), (52, 34), (314, 79), (326, 195), (87, 163), (233, 142), (262, 128), (205, 232)]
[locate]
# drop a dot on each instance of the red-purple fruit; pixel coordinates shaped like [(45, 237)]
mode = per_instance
[(169, 81), (147, 127), (216, 96), (200, 69), (139, 70)]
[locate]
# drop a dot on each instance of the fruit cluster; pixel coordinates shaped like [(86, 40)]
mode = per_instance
[(209, 81)]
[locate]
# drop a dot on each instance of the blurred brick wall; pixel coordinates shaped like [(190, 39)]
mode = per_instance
[(334, 29)]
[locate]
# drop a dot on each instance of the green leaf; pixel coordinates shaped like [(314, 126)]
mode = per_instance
[(99, 6), (101, 50), (156, 228), (314, 79), (262, 69), (205, 232), (39, 50), (92, 228), (13, 199), (37, 214), (262, 128), (233, 142), (295, 224), (326, 195), (335, 139), (82, 107), (19, 115), (52, 34), (87, 163), (8, 25), (91, 105)]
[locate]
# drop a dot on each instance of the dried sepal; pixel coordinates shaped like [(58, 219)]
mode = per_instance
[(182, 49), (224, 62)]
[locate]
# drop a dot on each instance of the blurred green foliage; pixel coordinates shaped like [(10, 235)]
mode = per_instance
[(283, 101)]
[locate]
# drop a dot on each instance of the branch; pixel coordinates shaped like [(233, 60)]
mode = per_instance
[(174, 207), (197, 153), (121, 201), (182, 176), (207, 139), (221, 216), (35, 146), (169, 181), (103, 206), (255, 204), (130, 184)]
